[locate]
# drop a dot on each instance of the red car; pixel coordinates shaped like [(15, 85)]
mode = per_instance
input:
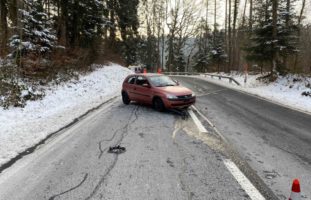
[(158, 90)]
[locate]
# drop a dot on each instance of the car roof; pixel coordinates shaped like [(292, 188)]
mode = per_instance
[(147, 74)]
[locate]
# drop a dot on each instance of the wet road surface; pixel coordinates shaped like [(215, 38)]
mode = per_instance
[(274, 140), (166, 158)]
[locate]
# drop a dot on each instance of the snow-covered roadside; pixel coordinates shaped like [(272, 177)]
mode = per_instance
[(285, 90), (21, 128)]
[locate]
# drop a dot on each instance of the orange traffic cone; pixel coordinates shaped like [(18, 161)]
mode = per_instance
[(295, 194), (145, 71)]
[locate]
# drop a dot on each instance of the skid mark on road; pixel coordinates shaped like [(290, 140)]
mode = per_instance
[(183, 172), (103, 177), (71, 189), (124, 132), (201, 93)]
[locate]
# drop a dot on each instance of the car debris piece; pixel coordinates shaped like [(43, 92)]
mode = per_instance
[(116, 149), (182, 112)]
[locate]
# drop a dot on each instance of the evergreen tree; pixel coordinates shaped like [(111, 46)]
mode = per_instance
[(35, 31), (201, 57), (201, 60), (128, 23), (287, 34), (146, 52), (217, 52), (179, 60), (83, 21), (264, 46), (261, 49)]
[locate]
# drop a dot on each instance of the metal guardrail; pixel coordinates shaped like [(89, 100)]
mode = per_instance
[(231, 80), (221, 76)]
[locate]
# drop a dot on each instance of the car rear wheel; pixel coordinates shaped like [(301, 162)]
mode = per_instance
[(125, 98), (158, 104)]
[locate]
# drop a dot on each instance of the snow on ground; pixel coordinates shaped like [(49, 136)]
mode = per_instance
[(21, 128), (285, 90)]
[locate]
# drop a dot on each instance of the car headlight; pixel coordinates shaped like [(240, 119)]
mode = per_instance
[(193, 94), (169, 96)]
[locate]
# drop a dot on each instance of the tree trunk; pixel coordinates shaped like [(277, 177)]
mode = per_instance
[(3, 26), (63, 22), (274, 36), (226, 34), (251, 15), (215, 14), (234, 39), (112, 29), (230, 38), (13, 12), (299, 32)]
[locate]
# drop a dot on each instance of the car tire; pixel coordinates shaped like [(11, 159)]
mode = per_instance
[(158, 104), (125, 98)]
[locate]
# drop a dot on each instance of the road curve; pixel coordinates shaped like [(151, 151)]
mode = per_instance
[(274, 140)]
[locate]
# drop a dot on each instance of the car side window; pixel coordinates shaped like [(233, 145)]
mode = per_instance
[(141, 80), (131, 80)]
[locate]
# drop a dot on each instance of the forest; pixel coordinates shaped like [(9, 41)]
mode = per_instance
[(49, 41)]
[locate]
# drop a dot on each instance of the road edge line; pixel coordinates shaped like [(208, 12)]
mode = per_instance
[(210, 123), (243, 181), (197, 122)]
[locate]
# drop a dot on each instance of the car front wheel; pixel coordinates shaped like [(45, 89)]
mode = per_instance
[(158, 104), (125, 98)]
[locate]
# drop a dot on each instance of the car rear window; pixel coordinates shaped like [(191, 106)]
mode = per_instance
[(131, 80), (141, 80)]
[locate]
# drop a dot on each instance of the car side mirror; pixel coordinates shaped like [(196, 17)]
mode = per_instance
[(146, 85)]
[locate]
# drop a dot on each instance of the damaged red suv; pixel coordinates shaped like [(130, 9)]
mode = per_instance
[(157, 90)]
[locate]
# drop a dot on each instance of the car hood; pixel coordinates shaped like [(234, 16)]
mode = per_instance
[(175, 90)]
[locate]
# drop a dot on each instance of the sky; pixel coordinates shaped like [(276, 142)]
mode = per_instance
[(200, 11), (220, 5)]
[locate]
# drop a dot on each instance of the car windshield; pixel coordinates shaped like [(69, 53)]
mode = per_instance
[(162, 81)]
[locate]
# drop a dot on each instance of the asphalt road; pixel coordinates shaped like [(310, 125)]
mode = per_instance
[(274, 140), (165, 158)]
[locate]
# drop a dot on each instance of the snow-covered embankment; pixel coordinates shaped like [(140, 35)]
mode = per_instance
[(21, 128), (286, 90)]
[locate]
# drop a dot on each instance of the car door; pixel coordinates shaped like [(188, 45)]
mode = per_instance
[(131, 87), (143, 90)]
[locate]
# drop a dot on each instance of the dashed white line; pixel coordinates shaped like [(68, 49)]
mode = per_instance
[(247, 186), (197, 122), (210, 123)]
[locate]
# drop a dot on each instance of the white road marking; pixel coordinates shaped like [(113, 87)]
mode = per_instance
[(197, 122), (210, 123), (247, 186)]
